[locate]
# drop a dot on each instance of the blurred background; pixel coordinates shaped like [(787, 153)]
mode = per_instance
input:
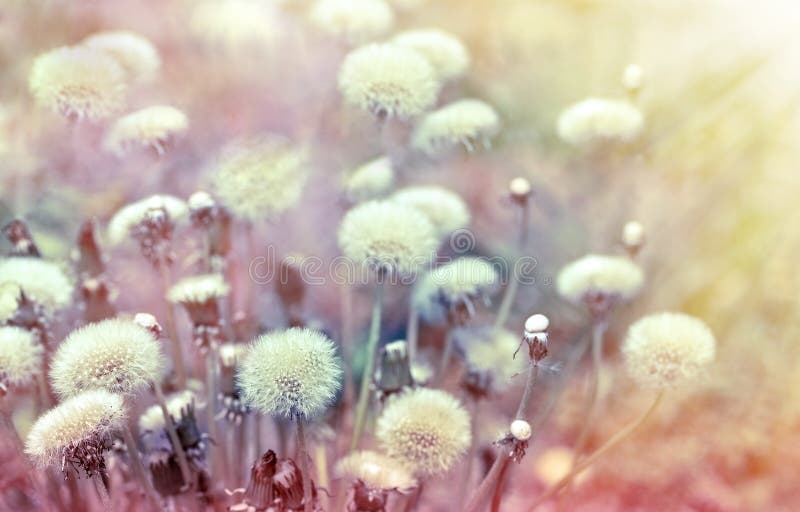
[(713, 178)]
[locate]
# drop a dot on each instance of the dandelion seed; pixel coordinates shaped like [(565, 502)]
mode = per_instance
[(445, 52), (449, 292), (443, 207), (388, 80), (387, 236), (471, 123), (152, 127), (355, 21), (261, 177), (115, 354), (372, 180), (42, 281), (137, 56), (78, 83), (427, 430), (666, 350), (599, 280), (20, 358), (599, 119), (292, 373), (129, 216)]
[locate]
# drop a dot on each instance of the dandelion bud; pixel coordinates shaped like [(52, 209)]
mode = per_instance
[(230, 355), (20, 358), (136, 55), (446, 53), (200, 200), (520, 190), (388, 80), (20, 237), (393, 373), (521, 430), (371, 180), (597, 119), (633, 237), (115, 354), (599, 281), (291, 373), (425, 429), (536, 323), (355, 21), (666, 350), (151, 127), (471, 123), (632, 78), (77, 432), (446, 210)]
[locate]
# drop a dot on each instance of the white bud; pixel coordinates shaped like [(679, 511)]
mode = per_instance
[(145, 320), (536, 323), (633, 234), (200, 199), (519, 187), (632, 77), (521, 430)]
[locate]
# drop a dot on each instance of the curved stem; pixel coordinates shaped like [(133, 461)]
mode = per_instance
[(591, 459), (524, 402), (412, 332), (138, 468), (497, 497), (511, 290), (180, 453), (369, 365), (303, 457), (172, 330), (598, 331)]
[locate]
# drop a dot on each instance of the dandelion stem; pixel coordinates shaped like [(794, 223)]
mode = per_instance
[(524, 402), (466, 478), (102, 492), (172, 330), (369, 364), (588, 461), (215, 454), (598, 331), (511, 290), (446, 354), (347, 341), (302, 456), (321, 462), (412, 333), (138, 468), (180, 454)]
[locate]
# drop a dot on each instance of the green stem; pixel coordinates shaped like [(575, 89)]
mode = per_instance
[(369, 365), (591, 459), (303, 458)]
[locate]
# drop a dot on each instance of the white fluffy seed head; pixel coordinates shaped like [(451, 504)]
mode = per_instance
[(612, 276), (471, 123), (136, 55), (632, 234), (151, 127), (596, 119), (462, 281), (117, 355), (426, 429), (371, 180), (234, 25), (291, 373), (443, 207), (87, 417), (198, 289), (153, 417), (120, 225), (78, 83), (445, 52), (521, 430), (388, 80), (491, 351), (355, 21), (665, 350), (387, 235), (376, 470), (537, 323), (41, 280), (20, 357), (260, 177), (9, 299)]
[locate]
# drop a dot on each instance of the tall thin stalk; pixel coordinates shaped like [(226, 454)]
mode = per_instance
[(412, 333), (172, 329), (302, 455), (180, 453), (102, 492), (369, 365), (598, 332), (511, 290), (217, 458), (138, 468), (447, 353)]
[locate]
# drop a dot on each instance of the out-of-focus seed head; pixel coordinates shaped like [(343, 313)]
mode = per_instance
[(153, 417), (521, 430), (260, 177), (596, 119), (200, 200), (198, 289), (443, 207), (77, 431), (445, 52), (632, 78), (129, 216), (117, 355), (235, 25), (448, 293), (471, 123), (20, 358), (376, 471), (9, 299), (355, 21), (633, 237), (599, 279), (371, 180), (388, 80), (490, 359), (42, 281), (666, 350), (136, 55), (387, 236), (78, 82), (292, 373), (151, 127), (425, 429)]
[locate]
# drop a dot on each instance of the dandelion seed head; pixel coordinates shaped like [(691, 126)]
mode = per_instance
[(120, 225), (260, 177), (613, 276), (355, 21), (443, 207), (153, 418), (599, 119), (294, 372), (666, 350), (376, 470), (388, 80), (458, 283), (491, 351), (116, 354), (233, 25), (136, 55), (20, 357), (198, 289), (78, 83), (199, 200), (426, 429), (86, 418), (372, 180), (387, 235), (151, 127), (9, 299), (42, 281), (471, 123), (445, 52), (632, 78)]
